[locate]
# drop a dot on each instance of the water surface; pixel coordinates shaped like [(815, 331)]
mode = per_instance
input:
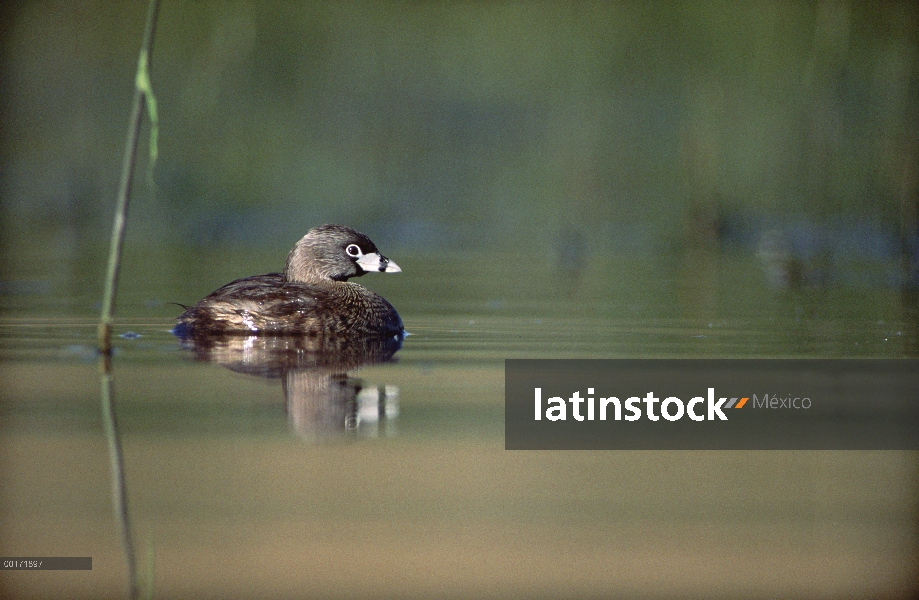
[(231, 496)]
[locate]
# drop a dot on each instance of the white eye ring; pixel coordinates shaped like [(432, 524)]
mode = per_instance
[(353, 250)]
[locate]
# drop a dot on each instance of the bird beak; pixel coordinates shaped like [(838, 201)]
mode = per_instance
[(378, 262)]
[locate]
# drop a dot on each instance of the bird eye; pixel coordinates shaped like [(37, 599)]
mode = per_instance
[(353, 250)]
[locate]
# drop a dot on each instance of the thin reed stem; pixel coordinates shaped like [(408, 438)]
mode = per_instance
[(141, 93), (119, 486), (143, 98)]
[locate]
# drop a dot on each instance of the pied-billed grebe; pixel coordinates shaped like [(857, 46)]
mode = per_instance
[(311, 297)]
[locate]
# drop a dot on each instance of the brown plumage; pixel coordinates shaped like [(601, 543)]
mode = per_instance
[(311, 297)]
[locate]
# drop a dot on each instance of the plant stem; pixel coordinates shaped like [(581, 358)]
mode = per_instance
[(119, 486), (142, 98), (124, 189)]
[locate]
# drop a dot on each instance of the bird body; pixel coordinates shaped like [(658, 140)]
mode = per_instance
[(311, 297)]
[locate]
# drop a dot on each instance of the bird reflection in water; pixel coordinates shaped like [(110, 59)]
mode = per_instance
[(322, 399)]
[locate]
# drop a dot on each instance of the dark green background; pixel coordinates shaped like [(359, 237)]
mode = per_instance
[(546, 135)]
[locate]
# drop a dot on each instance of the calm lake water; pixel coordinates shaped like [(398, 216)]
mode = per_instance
[(241, 483)]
